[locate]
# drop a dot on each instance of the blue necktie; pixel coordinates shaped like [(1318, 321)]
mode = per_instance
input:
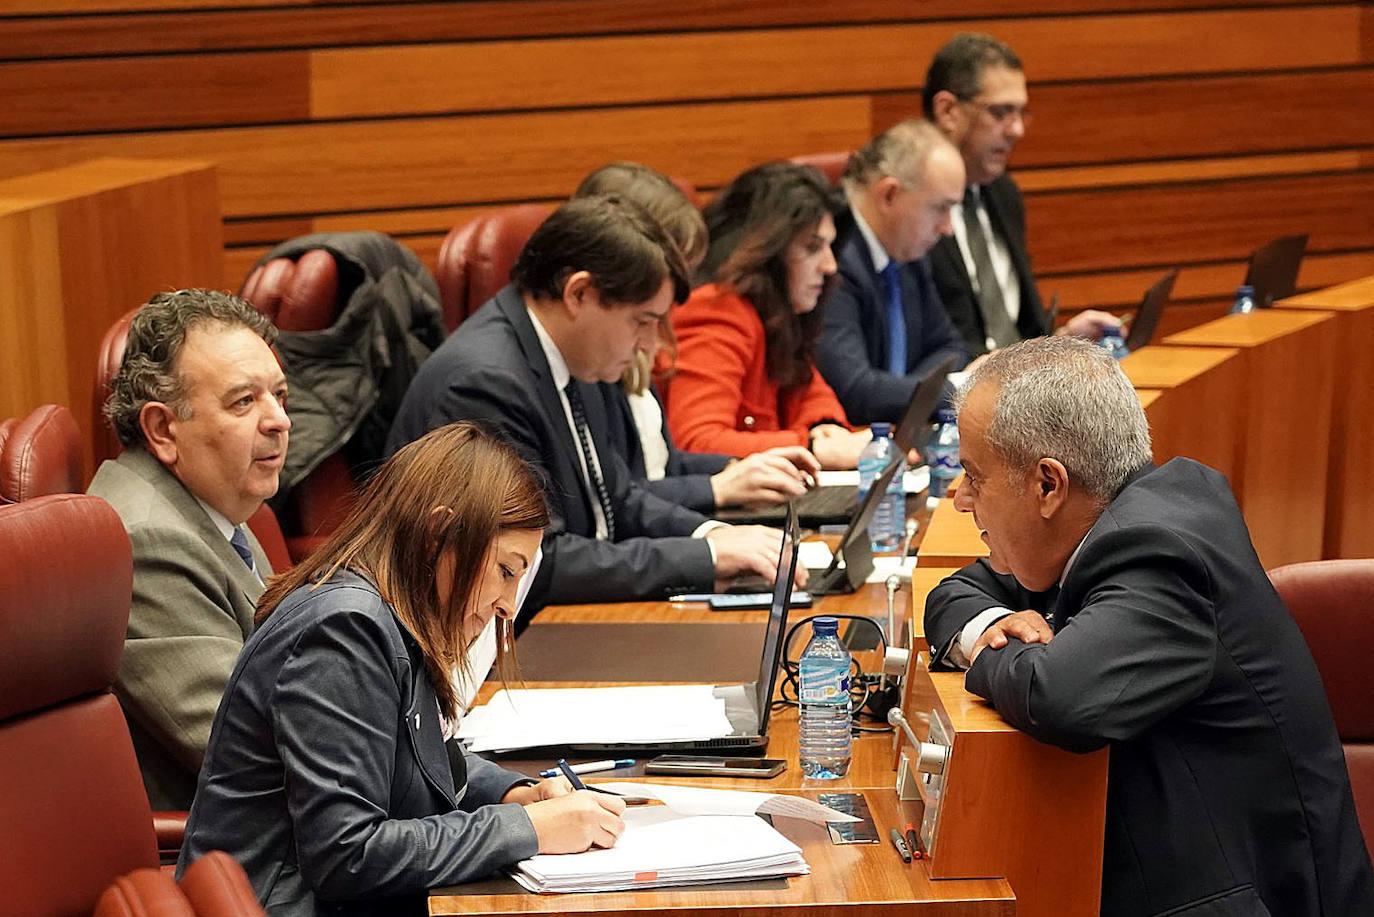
[(896, 320), (239, 541)]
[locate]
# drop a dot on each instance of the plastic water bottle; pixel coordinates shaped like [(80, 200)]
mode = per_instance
[(1114, 344), (1245, 300), (942, 455), (825, 739), (888, 525)]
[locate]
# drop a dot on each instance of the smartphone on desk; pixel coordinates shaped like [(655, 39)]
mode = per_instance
[(742, 601), (695, 766)]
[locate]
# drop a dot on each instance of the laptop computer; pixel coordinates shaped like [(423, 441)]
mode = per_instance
[(1273, 270), (747, 706), (1151, 308), (854, 549), (834, 504)]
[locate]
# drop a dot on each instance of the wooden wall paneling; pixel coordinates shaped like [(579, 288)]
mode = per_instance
[(85, 244), (1179, 117), (318, 168), (1206, 221), (56, 28), (1350, 499), (1288, 361)]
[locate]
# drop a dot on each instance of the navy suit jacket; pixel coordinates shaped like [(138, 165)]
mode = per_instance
[(492, 371), (1227, 791), (852, 350), (687, 475), (1007, 213)]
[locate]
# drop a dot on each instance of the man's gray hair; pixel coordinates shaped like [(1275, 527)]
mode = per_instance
[(1064, 398), (900, 151), (157, 335)]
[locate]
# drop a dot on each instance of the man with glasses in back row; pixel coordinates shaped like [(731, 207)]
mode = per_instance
[(975, 93)]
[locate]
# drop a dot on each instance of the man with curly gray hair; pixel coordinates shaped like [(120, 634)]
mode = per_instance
[(199, 404), (1123, 605)]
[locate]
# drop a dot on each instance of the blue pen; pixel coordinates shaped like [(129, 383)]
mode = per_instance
[(567, 770), (591, 767)]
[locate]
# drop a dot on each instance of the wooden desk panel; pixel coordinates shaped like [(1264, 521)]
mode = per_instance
[(952, 539), (1288, 368), (849, 879), (1189, 416), (1349, 496), (923, 579)]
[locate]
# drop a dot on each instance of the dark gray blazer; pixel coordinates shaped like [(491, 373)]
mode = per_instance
[(852, 351), (492, 371), (327, 776), (1007, 213), (1227, 792), (192, 608)]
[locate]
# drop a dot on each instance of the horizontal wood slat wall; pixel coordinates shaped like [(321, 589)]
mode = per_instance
[(1167, 132)]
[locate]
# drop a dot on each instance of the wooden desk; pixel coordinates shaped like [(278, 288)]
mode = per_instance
[(923, 579), (952, 539), (845, 879), (1288, 368), (1188, 382), (1349, 497), (79, 247)]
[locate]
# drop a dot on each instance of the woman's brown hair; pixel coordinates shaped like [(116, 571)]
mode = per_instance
[(758, 215), (395, 537)]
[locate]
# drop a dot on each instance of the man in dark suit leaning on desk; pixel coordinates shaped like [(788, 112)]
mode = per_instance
[(1124, 604), (590, 288), (884, 325), (975, 93)]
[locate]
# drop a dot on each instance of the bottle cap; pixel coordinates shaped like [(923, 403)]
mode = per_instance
[(1245, 290), (825, 626), (947, 415), (880, 429)]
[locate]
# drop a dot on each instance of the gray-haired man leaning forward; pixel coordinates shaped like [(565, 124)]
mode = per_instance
[(1123, 604), (199, 405)]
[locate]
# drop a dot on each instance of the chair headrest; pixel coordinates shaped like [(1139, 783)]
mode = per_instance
[(831, 164), (107, 363), (1331, 600), (41, 455), (476, 257), (65, 587), (300, 295)]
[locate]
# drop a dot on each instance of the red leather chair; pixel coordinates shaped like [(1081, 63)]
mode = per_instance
[(263, 522), (213, 886), (476, 257), (303, 295), (831, 164), (1333, 603), (75, 816), (40, 454)]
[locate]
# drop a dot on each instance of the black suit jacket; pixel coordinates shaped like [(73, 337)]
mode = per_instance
[(1007, 213), (852, 351), (1227, 791), (492, 371), (687, 475)]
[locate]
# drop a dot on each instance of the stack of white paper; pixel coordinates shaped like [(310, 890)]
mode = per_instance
[(699, 835), (530, 718), (661, 847)]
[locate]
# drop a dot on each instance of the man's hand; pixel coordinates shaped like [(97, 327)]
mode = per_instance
[(836, 448), (745, 549), (1092, 324), (764, 478), (1026, 626), (548, 788)]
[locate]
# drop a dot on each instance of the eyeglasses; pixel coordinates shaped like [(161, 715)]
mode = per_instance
[(1002, 112)]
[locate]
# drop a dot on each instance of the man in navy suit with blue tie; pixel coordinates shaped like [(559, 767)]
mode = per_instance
[(885, 326)]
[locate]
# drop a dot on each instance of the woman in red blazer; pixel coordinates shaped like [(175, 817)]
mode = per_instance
[(745, 377)]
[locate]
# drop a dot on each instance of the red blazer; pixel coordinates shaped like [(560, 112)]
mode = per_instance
[(720, 399)]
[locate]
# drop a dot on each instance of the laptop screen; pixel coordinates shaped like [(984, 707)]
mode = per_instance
[(1273, 270), (915, 429), (777, 620), (1151, 308)]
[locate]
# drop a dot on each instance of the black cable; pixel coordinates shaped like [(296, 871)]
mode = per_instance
[(859, 684)]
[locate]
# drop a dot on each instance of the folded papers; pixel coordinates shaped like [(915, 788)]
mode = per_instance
[(698, 836)]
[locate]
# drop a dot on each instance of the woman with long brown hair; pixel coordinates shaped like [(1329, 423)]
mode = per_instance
[(745, 378), (327, 775)]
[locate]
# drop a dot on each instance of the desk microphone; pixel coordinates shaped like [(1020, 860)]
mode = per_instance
[(930, 757), (894, 582)]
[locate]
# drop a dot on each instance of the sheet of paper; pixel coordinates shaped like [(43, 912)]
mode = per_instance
[(696, 800), (528, 718), (914, 480)]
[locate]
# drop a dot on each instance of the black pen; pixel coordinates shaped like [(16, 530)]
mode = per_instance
[(913, 842), (567, 770), (577, 784), (900, 844)]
